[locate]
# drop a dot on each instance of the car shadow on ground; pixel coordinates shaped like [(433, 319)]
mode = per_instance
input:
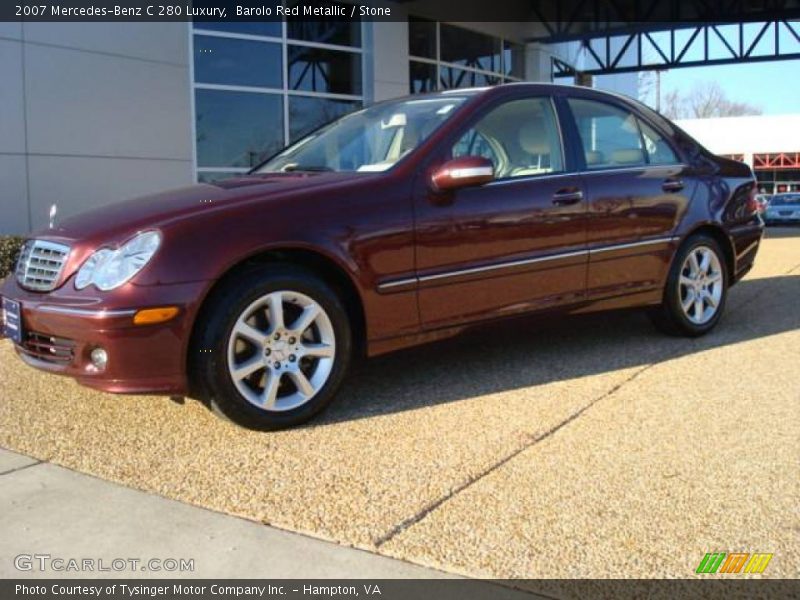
[(534, 351), (527, 352)]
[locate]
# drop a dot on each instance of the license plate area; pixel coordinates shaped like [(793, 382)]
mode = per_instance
[(12, 320)]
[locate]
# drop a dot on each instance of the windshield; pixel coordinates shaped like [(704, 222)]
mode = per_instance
[(785, 200), (372, 139)]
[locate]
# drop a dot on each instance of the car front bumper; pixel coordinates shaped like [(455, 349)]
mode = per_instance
[(61, 329)]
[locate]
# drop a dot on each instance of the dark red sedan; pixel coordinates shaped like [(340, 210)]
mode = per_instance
[(398, 224)]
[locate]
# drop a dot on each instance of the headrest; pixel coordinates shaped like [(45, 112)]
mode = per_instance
[(627, 156), (533, 138), (594, 157)]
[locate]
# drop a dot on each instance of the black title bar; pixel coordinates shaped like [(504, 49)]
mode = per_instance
[(597, 14)]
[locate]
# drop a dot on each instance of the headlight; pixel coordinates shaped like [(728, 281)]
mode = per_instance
[(108, 269)]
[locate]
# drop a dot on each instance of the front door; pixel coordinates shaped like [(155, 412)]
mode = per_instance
[(512, 245)]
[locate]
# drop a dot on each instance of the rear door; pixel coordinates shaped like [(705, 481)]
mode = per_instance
[(637, 190)]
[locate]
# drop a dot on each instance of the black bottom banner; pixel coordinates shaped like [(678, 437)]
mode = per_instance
[(397, 589)]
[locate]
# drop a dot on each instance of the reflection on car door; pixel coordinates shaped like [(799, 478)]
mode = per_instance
[(637, 189), (515, 244)]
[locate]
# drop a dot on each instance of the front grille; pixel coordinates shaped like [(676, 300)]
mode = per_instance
[(49, 348), (40, 264)]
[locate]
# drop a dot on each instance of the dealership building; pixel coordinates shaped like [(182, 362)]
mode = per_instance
[(770, 144), (93, 113)]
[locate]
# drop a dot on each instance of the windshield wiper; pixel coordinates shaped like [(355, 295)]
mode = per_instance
[(311, 168)]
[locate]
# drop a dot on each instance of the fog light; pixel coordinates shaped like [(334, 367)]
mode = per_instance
[(99, 358)]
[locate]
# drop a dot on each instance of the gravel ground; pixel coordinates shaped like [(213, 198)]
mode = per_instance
[(591, 448)]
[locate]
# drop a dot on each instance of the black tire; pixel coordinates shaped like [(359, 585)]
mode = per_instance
[(208, 364), (669, 316)]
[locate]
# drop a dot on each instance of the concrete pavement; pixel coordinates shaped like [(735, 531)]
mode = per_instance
[(51, 510)]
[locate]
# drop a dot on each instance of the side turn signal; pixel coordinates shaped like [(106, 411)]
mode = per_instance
[(149, 316)]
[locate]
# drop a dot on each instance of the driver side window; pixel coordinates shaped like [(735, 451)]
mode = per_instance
[(520, 137), (473, 143)]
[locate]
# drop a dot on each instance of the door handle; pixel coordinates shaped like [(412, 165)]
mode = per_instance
[(672, 185), (567, 196)]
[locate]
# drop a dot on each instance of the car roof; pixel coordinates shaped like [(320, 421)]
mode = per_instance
[(530, 85), (534, 87)]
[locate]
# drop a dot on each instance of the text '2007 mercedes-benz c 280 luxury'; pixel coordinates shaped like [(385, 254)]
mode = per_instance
[(398, 224)]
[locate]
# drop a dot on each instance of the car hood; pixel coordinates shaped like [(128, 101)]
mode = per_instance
[(111, 223), (114, 224)]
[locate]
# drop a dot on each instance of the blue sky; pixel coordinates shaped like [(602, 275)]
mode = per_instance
[(774, 87)]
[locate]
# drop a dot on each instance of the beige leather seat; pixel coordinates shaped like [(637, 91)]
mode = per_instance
[(533, 139), (627, 156), (594, 158)]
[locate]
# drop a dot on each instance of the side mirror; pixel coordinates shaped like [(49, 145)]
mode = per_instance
[(462, 172)]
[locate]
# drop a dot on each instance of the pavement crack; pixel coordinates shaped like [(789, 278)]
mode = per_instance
[(532, 441), (28, 466)]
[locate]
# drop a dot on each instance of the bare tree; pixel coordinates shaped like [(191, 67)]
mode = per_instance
[(705, 101), (673, 105), (648, 88)]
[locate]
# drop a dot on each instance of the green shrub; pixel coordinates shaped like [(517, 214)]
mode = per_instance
[(9, 250)]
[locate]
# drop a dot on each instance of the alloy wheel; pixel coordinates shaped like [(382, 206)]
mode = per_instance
[(281, 351), (701, 285)]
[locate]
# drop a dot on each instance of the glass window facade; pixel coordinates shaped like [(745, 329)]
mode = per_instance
[(467, 48), (261, 85), (422, 37), (325, 71), (338, 33), (237, 129), (229, 61), (444, 56), (422, 76), (307, 114), (266, 28), (452, 77)]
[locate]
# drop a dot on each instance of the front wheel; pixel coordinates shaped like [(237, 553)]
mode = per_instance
[(696, 290), (273, 347)]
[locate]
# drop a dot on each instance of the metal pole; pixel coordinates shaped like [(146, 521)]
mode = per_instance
[(658, 90)]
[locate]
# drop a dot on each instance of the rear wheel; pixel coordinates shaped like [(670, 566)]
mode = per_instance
[(274, 348), (696, 290)]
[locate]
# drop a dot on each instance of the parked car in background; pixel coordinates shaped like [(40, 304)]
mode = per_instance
[(783, 209), (399, 224), (763, 202)]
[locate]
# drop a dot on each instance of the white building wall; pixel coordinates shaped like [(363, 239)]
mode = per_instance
[(90, 115), (388, 57), (13, 174), (94, 113), (746, 135)]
